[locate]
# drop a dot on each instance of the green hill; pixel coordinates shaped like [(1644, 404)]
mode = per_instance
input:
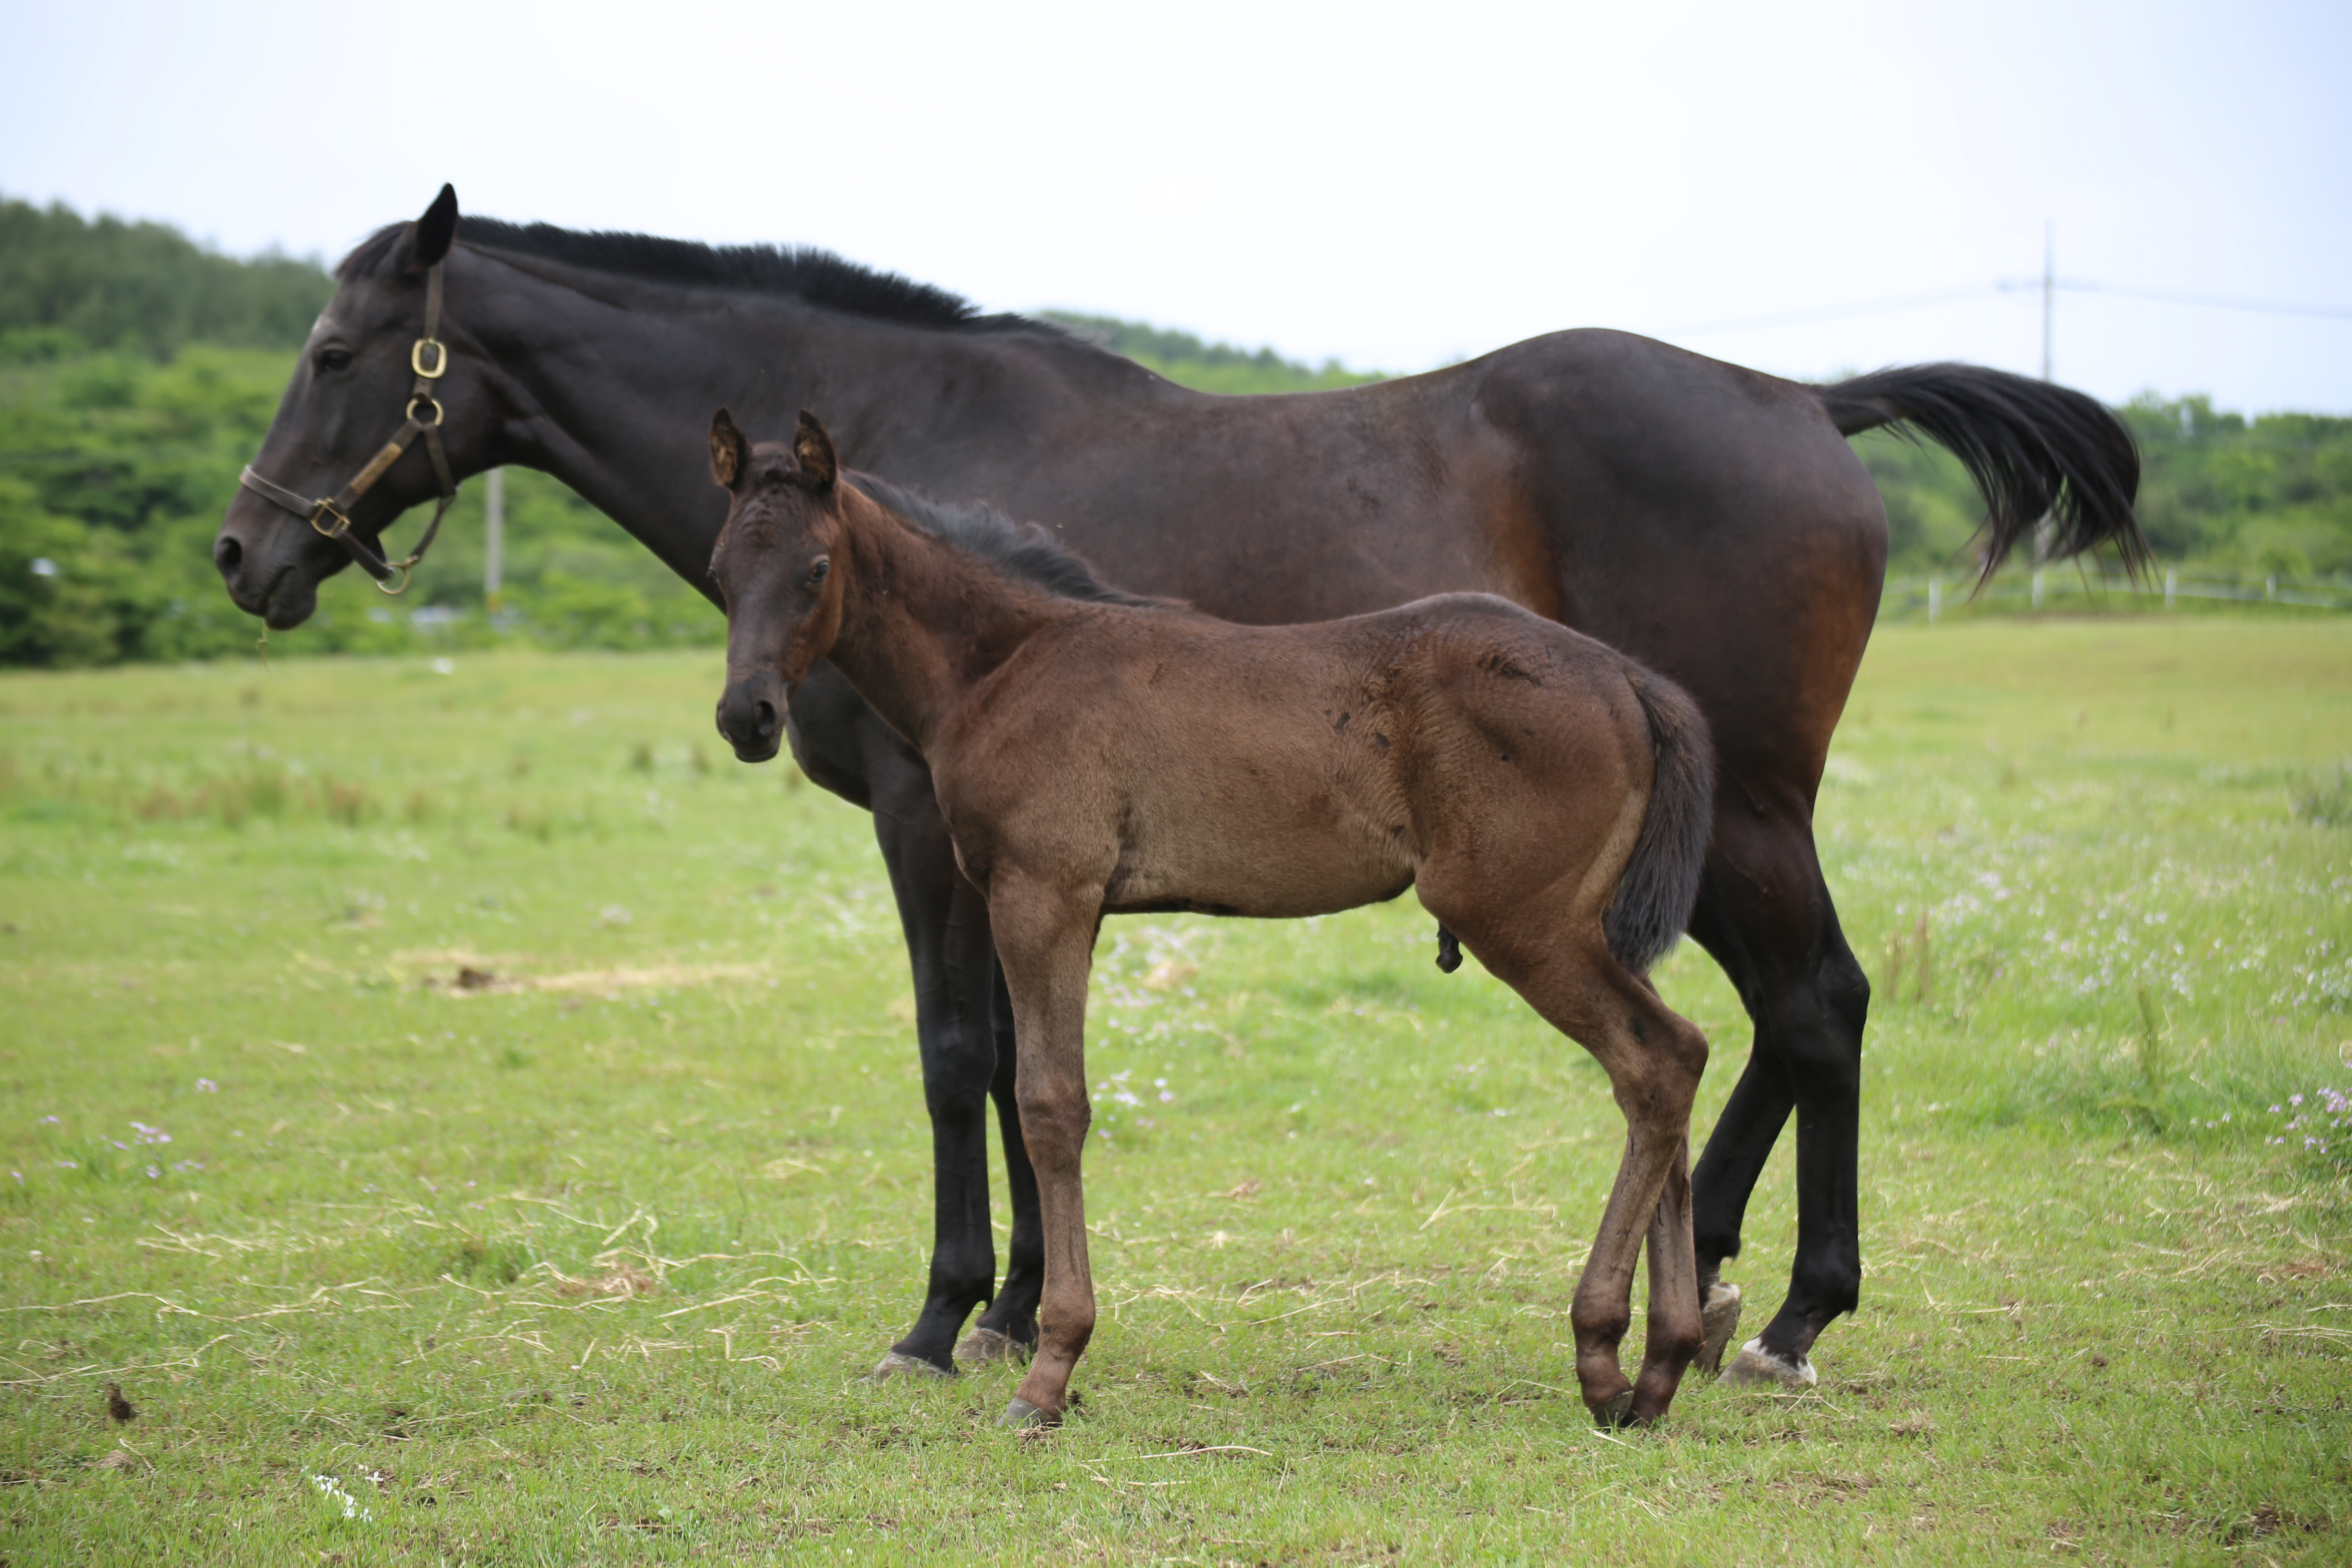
[(69, 284), (139, 370)]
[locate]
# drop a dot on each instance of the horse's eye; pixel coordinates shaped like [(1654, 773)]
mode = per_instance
[(334, 359), (817, 571)]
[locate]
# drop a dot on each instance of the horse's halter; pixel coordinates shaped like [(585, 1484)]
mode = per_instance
[(424, 419)]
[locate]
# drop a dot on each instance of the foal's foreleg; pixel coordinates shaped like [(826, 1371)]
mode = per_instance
[(1044, 938)]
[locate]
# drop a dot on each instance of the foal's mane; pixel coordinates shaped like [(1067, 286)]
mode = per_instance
[(802, 272), (1022, 550)]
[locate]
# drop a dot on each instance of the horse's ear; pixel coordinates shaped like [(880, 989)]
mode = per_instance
[(728, 449), (813, 450), (436, 231)]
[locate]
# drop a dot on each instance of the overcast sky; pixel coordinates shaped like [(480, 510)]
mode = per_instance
[(1392, 186)]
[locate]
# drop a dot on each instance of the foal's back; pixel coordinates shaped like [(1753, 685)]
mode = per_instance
[(1182, 762)]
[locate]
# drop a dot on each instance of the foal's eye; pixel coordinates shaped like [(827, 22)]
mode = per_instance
[(817, 571), (334, 359)]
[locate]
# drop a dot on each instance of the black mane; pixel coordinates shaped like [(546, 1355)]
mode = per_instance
[(1023, 549), (801, 272)]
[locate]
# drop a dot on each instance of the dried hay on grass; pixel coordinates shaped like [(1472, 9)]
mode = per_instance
[(460, 973)]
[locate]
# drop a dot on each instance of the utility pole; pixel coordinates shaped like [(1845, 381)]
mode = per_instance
[(2049, 288), (495, 536)]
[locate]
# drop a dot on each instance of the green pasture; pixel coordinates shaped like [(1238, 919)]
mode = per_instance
[(585, 1262)]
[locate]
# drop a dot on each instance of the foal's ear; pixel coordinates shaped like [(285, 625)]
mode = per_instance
[(813, 450), (728, 449), (435, 233)]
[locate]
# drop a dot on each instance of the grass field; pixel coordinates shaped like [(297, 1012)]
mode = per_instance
[(585, 1265)]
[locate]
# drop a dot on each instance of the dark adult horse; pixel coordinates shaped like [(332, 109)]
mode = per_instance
[(1708, 519)]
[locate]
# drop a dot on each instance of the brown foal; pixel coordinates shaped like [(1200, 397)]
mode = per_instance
[(1099, 753)]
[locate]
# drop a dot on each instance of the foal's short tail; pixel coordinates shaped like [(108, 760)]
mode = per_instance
[(1661, 882)]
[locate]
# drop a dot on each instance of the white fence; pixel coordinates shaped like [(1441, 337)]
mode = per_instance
[(2056, 587)]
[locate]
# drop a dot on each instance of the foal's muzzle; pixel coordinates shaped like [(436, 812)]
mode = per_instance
[(751, 717)]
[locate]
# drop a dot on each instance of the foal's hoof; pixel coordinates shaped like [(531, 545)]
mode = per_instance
[(983, 1345), (1027, 1417), (1719, 1317), (899, 1364), (1756, 1367), (1616, 1413)]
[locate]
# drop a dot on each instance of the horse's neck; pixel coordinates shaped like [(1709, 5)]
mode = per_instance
[(923, 624), (614, 380)]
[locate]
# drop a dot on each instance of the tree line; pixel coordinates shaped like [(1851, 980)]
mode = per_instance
[(139, 371)]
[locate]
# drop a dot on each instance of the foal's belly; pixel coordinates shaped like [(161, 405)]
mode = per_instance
[(1283, 861)]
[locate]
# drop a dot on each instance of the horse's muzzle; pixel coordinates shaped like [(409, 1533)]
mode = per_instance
[(751, 717)]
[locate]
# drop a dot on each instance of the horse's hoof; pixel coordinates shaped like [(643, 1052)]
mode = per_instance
[(1022, 1415), (1613, 1414), (982, 1345), (899, 1364), (1719, 1317), (1756, 1367)]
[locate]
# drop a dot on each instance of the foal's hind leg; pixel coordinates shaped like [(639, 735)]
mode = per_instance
[(1676, 1324), (1654, 1058)]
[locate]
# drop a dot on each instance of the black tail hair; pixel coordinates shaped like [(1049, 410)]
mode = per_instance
[(2035, 450), (1661, 881)]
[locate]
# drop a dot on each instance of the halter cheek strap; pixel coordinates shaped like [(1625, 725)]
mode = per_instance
[(331, 515)]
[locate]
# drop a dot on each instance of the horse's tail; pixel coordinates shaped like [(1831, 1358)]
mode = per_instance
[(1661, 881), (2035, 451)]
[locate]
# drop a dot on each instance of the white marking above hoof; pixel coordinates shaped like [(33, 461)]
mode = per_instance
[(897, 1364), (1756, 1367), (1719, 1319), (983, 1345)]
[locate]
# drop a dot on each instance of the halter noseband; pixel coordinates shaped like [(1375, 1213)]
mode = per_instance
[(424, 419)]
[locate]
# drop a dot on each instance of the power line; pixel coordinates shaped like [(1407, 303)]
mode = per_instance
[(2006, 286), (2207, 301), (1835, 312)]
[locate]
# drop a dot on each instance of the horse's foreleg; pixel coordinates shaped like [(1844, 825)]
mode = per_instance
[(1044, 938), (1008, 1330), (946, 924)]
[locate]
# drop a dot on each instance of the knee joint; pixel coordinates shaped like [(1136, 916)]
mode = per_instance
[(1053, 1112)]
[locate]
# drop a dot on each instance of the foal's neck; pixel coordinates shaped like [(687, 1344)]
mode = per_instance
[(923, 622)]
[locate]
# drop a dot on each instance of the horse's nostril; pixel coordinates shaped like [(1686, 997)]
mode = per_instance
[(767, 717), (226, 554)]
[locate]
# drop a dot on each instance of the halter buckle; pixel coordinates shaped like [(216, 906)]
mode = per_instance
[(440, 358), (323, 507)]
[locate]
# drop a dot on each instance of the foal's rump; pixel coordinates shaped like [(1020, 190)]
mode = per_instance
[(1609, 763)]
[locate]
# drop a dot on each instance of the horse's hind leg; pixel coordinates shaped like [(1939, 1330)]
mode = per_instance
[(1765, 915)]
